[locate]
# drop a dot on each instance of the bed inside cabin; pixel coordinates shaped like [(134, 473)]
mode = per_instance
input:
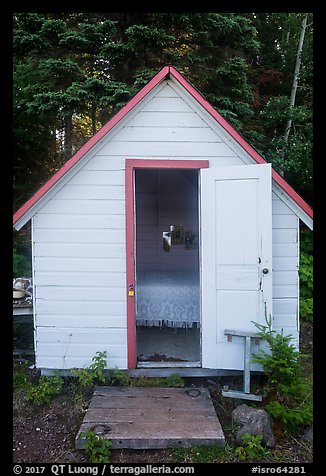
[(167, 267)]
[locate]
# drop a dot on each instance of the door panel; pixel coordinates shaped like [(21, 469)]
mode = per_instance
[(236, 247)]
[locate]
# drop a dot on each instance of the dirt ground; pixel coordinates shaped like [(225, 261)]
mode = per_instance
[(46, 434)]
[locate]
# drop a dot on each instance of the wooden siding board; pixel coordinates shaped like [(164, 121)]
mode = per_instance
[(80, 308), (88, 192), (74, 221), (166, 104), (45, 362), (285, 267), (83, 278), (167, 92), (81, 293), (285, 235), (168, 134), (81, 335), (285, 221), (77, 321), (77, 264), (80, 250), (166, 119), (103, 207), (80, 235), (92, 177), (162, 149)]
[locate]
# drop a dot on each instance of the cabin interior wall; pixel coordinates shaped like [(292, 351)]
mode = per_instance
[(166, 198)]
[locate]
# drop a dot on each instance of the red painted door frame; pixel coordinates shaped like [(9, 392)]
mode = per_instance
[(131, 165)]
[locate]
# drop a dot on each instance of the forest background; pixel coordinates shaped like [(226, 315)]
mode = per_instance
[(73, 71)]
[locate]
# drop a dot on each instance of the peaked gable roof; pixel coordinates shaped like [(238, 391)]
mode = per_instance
[(29, 208)]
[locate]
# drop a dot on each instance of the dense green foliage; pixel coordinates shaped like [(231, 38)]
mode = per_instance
[(93, 374), (73, 71), (306, 276), (97, 448), (22, 266), (289, 393), (45, 389)]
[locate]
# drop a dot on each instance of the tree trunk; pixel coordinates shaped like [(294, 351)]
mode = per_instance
[(68, 138), (93, 117), (296, 75)]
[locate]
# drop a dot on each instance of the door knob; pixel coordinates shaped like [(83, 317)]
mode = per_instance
[(265, 270)]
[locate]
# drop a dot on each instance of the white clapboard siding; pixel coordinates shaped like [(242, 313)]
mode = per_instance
[(108, 207), (65, 343), (286, 235), (166, 119), (280, 208), (71, 221), (285, 277), (85, 278), (285, 221), (106, 177), (102, 163), (89, 192), (285, 263), (77, 321), (285, 306), (285, 269), (169, 134), (79, 264), (47, 363), (167, 92), (81, 250), (284, 320), (82, 336), (47, 306), (79, 235), (285, 291), (81, 293), (161, 149), (285, 249), (167, 104)]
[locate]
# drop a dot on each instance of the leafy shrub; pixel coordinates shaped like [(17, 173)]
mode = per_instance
[(21, 265), (45, 390), (252, 449), (94, 373), (97, 448)]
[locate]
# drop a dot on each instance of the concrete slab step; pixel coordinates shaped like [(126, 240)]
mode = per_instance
[(152, 417)]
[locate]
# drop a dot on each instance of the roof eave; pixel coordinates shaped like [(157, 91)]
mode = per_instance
[(27, 210), (23, 214)]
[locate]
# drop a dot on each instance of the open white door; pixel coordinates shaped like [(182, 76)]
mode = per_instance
[(236, 238)]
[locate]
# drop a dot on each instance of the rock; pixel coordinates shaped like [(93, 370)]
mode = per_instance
[(255, 421), (242, 414)]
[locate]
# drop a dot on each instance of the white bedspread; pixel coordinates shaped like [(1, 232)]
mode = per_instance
[(168, 298)]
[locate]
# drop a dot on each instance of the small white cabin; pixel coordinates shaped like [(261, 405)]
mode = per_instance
[(164, 230)]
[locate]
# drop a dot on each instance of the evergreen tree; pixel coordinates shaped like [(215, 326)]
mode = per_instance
[(73, 71)]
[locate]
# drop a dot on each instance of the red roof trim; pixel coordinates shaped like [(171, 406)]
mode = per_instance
[(89, 144), (241, 141), (128, 107)]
